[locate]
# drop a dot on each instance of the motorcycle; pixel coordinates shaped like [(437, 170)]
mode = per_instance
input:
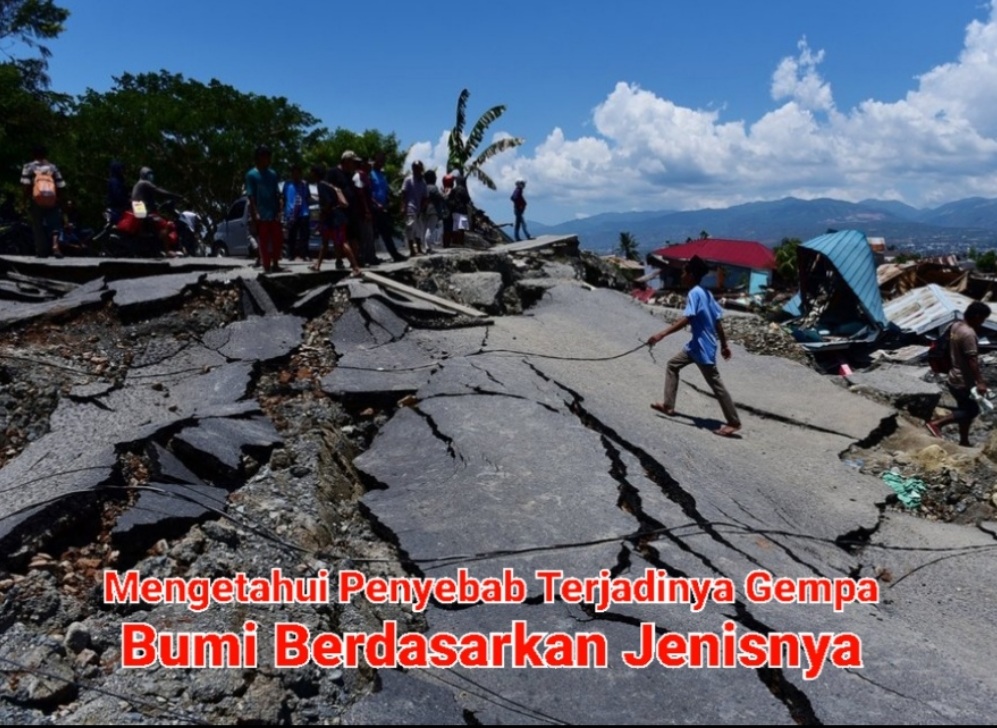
[(153, 236)]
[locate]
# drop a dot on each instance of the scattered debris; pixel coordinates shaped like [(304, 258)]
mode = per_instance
[(839, 304)]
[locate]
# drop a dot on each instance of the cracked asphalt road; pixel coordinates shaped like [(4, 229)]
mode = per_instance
[(507, 452)]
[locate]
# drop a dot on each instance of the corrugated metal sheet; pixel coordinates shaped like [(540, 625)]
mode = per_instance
[(850, 254), (925, 310)]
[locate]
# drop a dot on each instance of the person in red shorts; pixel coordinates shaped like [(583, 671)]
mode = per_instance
[(264, 209), (332, 221)]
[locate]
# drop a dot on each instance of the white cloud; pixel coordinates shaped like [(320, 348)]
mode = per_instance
[(937, 143), (797, 78)]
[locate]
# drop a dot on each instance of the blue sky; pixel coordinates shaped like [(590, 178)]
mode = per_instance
[(623, 105)]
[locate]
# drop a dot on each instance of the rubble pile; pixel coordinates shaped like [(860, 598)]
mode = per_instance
[(755, 334), (961, 482), (294, 506)]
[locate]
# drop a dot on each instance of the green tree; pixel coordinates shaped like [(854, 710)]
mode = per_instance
[(785, 259), (907, 258), (462, 149), (29, 22), (703, 235), (199, 138), (27, 117), (328, 147), (628, 247), (987, 262), (28, 111)]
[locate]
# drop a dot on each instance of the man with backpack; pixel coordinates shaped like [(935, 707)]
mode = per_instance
[(41, 182), (964, 371)]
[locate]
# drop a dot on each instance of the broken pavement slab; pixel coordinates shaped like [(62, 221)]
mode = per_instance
[(390, 284), (900, 387), (381, 375), (167, 468), (138, 297), (82, 270), (87, 296), (481, 290), (313, 301), (451, 485), (260, 300), (214, 448), (166, 510), (562, 244), (261, 338)]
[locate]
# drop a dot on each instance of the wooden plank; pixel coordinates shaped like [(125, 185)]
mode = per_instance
[(416, 293), (544, 241), (45, 283)]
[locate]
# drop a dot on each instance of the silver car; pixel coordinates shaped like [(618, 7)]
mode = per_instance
[(233, 237)]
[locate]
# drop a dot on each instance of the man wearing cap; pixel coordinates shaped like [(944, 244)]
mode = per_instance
[(703, 313), (342, 177), (262, 190)]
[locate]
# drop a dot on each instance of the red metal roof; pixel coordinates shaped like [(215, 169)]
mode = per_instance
[(741, 253)]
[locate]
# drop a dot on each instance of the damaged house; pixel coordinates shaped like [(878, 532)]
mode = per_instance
[(839, 303), (739, 265)]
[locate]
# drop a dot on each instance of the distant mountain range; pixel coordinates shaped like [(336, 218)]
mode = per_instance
[(953, 227)]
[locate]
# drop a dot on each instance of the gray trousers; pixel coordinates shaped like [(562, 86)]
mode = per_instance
[(712, 376)]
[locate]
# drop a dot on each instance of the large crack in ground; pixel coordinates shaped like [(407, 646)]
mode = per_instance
[(796, 701)]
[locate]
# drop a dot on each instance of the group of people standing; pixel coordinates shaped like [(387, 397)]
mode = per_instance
[(354, 210), (353, 198), (434, 216)]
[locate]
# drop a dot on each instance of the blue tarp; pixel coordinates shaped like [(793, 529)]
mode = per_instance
[(849, 252)]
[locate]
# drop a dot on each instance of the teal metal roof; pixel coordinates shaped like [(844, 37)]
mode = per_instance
[(849, 252)]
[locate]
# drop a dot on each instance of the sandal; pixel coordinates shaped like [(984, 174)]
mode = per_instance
[(659, 407)]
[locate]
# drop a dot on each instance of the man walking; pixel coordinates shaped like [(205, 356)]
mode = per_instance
[(42, 182), (965, 372), (519, 208), (262, 189), (703, 313)]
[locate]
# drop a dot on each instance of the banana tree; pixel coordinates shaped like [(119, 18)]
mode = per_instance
[(462, 149)]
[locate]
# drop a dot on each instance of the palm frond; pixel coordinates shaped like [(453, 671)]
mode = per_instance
[(493, 149), (458, 129), (456, 151), (478, 132), (482, 177)]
